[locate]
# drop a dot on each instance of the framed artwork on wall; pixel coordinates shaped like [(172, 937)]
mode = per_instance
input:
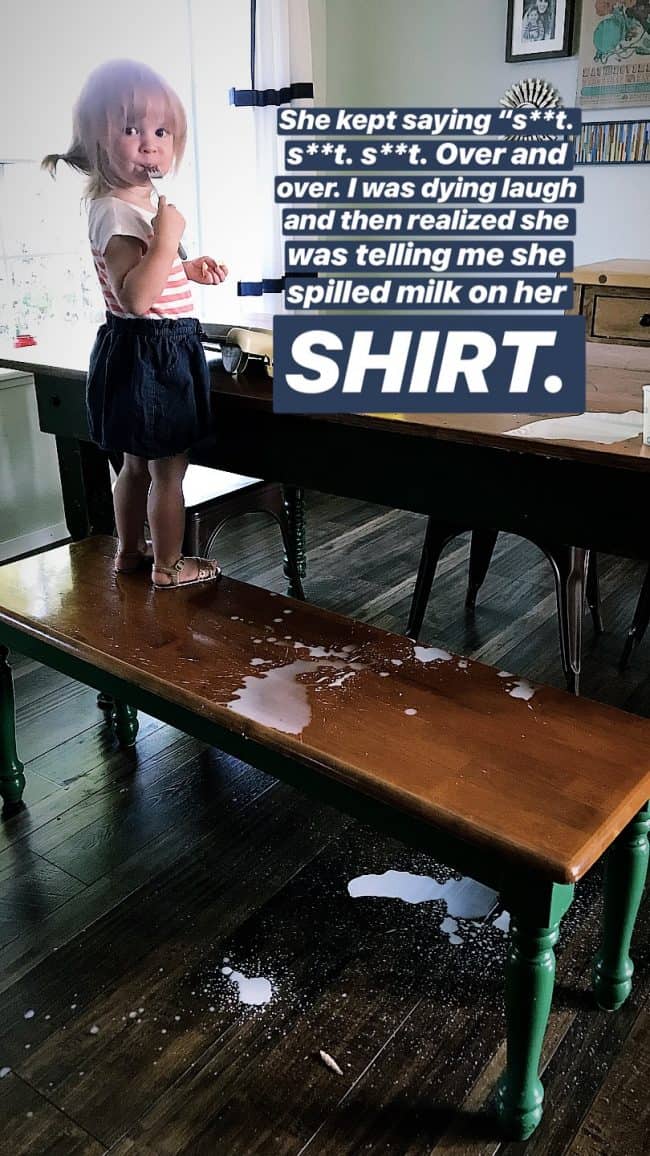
[(539, 29), (614, 54)]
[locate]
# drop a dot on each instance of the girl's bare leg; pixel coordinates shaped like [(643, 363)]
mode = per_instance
[(166, 517), (130, 505), (166, 508)]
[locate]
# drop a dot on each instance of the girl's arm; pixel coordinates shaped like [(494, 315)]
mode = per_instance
[(138, 278)]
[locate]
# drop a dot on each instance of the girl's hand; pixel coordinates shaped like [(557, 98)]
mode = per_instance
[(206, 271), (168, 224)]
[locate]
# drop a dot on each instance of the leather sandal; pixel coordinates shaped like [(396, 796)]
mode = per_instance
[(134, 560), (208, 571)]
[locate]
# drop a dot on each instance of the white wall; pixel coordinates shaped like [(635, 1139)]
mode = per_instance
[(433, 53)]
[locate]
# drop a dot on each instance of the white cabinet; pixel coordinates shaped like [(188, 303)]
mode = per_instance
[(31, 508)]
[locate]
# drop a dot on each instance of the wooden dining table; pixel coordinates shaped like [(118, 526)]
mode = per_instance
[(465, 469)]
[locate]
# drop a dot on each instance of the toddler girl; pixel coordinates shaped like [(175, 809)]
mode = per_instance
[(148, 390)]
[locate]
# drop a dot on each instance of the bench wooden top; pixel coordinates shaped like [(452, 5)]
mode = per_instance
[(547, 779)]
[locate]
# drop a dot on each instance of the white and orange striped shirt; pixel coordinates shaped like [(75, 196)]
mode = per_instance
[(111, 216)]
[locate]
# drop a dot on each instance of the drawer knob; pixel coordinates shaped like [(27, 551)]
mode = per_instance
[(56, 401), (645, 320)]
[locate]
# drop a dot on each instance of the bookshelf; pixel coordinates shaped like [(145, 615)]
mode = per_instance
[(613, 142)]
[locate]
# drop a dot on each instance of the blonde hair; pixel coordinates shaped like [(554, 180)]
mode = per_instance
[(115, 94)]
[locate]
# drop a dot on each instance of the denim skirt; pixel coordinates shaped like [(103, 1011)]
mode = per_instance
[(148, 388)]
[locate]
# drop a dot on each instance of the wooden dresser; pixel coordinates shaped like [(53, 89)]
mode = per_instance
[(614, 297)]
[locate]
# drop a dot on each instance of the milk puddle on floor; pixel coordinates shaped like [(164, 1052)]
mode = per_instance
[(464, 898)]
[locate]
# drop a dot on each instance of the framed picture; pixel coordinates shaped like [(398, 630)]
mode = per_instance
[(614, 54), (539, 29)]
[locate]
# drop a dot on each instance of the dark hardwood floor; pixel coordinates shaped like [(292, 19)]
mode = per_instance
[(178, 943)]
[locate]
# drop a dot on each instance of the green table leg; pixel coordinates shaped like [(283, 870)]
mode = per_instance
[(625, 875), (530, 978), (12, 779), (125, 723)]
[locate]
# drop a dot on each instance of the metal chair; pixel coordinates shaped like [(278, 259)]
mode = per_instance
[(574, 569), (639, 622), (214, 496)]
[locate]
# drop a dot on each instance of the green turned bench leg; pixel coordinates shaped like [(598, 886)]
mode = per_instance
[(626, 867), (530, 977), (12, 779), (125, 723)]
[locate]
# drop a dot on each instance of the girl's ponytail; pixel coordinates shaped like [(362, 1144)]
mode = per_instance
[(75, 157)]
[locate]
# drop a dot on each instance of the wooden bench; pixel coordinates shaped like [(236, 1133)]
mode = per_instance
[(521, 787)]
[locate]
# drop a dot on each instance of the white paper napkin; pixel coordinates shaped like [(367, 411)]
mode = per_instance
[(606, 428)]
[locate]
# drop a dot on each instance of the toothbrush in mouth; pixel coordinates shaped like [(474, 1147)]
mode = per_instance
[(154, 174)]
